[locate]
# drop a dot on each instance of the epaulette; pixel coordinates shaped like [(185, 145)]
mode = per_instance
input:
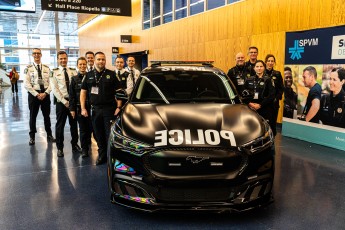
[(29, 66), (45, 65), (72, 68), (55, 69)]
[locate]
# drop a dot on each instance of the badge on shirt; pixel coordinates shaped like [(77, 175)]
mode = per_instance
[(94, 90), (262, 83), (339, 110), (256, 95), (108, 77), (240, 81)]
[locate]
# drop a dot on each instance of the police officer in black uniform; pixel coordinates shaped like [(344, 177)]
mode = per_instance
[(290, 97), (333, 104), (262, 91), (253, 57), (60, 79), (238, 75), (101, 86), (276, 76), (37, 84), (121, 73), (75, 109)]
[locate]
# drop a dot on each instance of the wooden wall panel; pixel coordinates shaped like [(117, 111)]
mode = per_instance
[(217, 34)]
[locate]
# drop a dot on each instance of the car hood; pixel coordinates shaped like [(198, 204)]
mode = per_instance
[(191, 125)]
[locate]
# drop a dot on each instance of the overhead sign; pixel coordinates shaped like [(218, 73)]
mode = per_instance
[(119, 8), (318, 46), (126, 38)]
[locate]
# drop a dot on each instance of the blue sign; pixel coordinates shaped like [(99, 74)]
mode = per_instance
[(319, 46)]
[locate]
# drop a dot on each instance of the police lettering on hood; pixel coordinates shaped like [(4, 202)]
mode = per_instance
[(180, 137)]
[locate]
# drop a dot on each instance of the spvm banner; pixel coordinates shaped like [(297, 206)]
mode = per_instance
[(317, 46), (110, 7)]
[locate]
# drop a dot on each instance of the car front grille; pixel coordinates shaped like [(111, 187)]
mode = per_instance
[(194, 162)]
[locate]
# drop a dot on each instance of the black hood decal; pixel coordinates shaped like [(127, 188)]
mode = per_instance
[(149, 123)]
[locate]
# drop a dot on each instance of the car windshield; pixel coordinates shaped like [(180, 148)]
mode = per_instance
[(176, 87)]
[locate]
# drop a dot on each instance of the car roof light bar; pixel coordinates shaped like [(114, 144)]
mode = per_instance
[(159, 63)]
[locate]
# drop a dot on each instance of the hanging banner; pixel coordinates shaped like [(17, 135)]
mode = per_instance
[(118, 8), (323, 49), (319, 46)]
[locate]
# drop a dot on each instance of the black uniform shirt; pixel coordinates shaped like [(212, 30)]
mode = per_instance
[(336, 110), (74, 91), (261, 89), (278, 82), (106, 83), (314, 93), (238, 75)]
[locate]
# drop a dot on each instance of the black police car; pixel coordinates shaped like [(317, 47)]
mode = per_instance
[(184, 141)]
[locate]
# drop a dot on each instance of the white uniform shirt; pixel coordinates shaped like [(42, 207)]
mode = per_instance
[(31, 82), (58, 83), (129, 82)]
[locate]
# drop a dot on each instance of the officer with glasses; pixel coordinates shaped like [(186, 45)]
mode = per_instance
[(37, 84)]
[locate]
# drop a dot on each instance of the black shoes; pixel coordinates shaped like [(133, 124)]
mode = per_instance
[(76, 149), (101, 161), (60, 153), (51, 139), (32, 141), (84, 154)]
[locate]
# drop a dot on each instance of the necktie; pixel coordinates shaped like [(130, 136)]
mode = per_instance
[(90, 68), (40, 79), (66, 79), (133, 80)]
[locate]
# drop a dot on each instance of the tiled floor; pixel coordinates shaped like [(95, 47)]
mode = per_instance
[(40, 191)]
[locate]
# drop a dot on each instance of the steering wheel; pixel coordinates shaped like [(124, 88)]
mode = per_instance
[(208, 93)]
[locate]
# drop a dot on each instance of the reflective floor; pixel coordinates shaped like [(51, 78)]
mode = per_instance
[(40, 191)]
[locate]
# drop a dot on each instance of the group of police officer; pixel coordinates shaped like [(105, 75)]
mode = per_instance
[(258, 84), (86, 97)]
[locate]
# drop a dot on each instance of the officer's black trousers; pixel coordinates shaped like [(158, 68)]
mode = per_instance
[(84, 130), (101, 117), (34, 106), (61, 116), (267, 112)]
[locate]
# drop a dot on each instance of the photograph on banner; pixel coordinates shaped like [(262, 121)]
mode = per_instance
[(295, 110)]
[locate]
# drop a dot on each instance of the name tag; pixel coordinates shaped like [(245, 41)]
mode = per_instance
[(240, 81), (94, 90)]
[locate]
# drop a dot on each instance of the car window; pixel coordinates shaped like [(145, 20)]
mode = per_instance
[(176, 87)]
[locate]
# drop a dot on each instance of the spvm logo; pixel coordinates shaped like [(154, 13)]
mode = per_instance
[(299, 45)]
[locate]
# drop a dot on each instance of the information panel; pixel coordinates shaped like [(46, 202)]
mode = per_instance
[(113, 7)]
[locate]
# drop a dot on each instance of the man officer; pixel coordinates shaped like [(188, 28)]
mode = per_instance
[(90, 59), (239, 73), (37, 84), (253, 57), (60, 80), (101, 86), (133, 74)]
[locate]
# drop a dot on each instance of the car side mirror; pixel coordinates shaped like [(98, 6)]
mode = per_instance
[(121, 94)]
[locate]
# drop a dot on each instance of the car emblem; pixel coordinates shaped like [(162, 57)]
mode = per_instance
[(195, 159)]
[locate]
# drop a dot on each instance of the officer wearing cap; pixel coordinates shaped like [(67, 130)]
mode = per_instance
[(60, 79), (133, 74), (238, 75), (37, 84), (100, 87)]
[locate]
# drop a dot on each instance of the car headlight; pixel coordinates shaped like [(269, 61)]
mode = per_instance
[(126, 143), (261, 143)]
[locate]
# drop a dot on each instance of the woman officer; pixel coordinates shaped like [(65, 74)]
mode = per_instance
[(262, 91), (334, 109), (276, 76)]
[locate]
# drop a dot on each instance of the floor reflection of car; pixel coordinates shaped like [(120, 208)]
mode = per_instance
[(184, 141)]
